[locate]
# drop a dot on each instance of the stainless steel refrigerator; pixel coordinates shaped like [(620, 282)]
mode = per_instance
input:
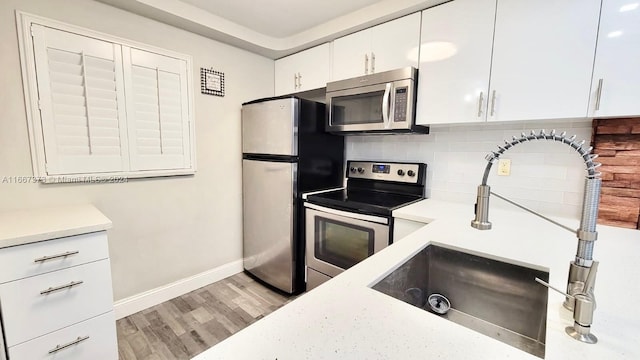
[(286, 152)]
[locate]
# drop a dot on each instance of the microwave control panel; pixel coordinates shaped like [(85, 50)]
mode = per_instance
[(400, 104)]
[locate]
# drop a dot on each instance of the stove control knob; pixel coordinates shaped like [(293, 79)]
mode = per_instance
[(352, 169), (401, 172), (411, 173), (361, 170)]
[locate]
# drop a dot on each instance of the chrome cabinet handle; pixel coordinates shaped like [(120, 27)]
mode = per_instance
[(299, 81), (493, 102), (63, 255), (480, 101), (61, 287), (373, 63), (74, 342), (385, 106), (599, 94), (366, 64)]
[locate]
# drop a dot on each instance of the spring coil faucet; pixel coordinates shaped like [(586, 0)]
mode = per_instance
[(579, 296)]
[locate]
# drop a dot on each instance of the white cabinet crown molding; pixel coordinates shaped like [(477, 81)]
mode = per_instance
[(194, 19)]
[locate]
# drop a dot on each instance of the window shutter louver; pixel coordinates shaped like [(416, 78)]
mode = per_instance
[(81, 102), (157, 111)]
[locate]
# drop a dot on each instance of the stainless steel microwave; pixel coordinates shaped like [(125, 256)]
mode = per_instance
[(378, 103)]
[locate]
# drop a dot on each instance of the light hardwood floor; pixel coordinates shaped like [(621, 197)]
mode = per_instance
[(189, 324)]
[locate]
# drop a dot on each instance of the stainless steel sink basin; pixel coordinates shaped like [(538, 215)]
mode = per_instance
[(492, 297)]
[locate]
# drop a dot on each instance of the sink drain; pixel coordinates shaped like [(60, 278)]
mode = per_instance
[(439, 303)]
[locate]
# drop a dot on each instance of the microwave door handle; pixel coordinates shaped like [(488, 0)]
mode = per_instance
[(385, 106)]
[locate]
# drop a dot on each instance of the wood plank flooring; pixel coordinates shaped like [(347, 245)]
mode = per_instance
[(189, 324)]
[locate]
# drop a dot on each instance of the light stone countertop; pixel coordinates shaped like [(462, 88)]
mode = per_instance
[(21, 227), (345, 319)]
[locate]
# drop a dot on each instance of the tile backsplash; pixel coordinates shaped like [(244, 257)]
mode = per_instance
[(545, 176)]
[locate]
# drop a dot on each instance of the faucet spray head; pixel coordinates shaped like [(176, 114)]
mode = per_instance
[(481, 222)]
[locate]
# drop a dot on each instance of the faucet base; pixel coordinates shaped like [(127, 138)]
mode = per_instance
[(581, 333), (575, 282)]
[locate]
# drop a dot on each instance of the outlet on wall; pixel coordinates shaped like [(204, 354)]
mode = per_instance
[(504, 167)]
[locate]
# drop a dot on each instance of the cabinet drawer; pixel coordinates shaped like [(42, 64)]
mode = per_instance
[(22, 261), (27, 313), (101, 344)]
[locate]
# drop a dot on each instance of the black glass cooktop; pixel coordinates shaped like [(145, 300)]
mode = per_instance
[(375, 202)]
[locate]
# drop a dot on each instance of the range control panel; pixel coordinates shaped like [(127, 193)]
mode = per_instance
[(411, 173)]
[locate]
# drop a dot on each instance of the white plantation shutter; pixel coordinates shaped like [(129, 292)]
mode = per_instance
[(81, 102), (157, 111)]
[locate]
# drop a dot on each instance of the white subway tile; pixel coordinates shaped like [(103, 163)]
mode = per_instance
[(545, 174)]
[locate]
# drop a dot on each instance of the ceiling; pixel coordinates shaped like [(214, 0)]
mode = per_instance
[(273, 28), (280, 18)]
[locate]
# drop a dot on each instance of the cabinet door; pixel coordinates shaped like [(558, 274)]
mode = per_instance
[(351, 55), (285, 75), (455, 62), (306, 70), (314, 67), (616, 75), (542, 56), (395, 44)]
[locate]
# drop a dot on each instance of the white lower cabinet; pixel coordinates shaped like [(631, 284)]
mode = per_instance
[(91, 339), (56, 299), (403, 228)]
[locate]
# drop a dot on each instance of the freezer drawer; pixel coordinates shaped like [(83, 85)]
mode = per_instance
[(269, 207)]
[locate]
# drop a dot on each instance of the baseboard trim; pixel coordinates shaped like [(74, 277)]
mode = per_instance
[(147, 299)]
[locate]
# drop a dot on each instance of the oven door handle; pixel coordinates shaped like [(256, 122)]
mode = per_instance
[(348, 214)]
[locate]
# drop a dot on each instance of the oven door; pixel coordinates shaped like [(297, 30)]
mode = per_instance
[(336, 240)]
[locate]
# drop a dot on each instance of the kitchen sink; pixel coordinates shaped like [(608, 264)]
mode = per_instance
[(492, 297)]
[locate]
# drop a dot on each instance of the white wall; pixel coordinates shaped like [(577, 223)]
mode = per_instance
[(546, 176), (165, 229)]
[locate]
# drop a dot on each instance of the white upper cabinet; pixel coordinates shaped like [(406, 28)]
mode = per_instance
[(306, 70), (394, 44), (542, 59), (351, 55), (387, 46), (455, 62), (615, 89)]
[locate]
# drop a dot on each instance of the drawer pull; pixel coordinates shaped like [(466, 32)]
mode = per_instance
[(63, 255), (74, 342), (61, 287)]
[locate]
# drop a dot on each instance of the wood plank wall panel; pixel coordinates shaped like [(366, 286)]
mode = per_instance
[(617, 142)]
